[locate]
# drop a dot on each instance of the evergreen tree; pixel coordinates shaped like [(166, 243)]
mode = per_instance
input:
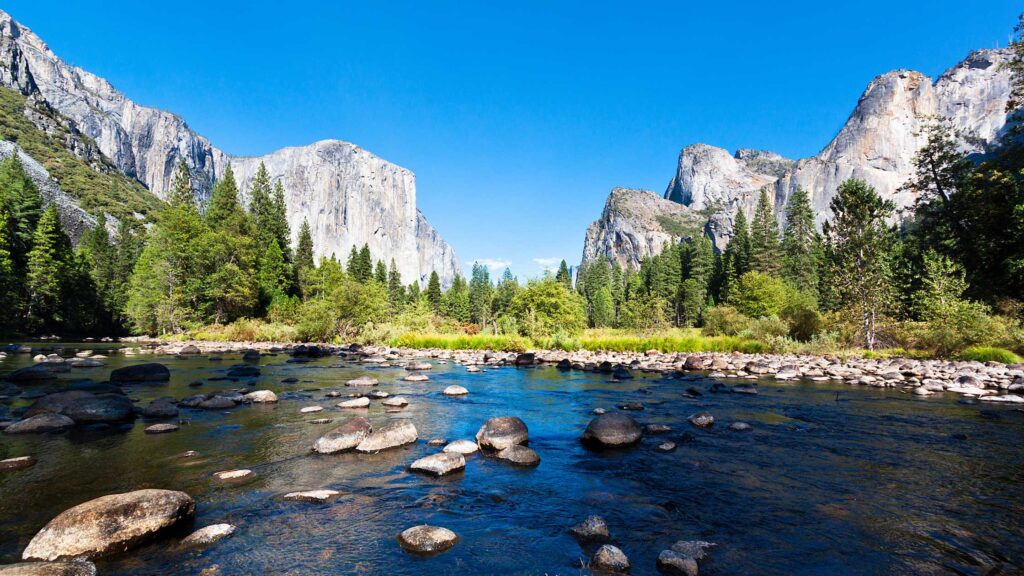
[(858, 241), (764, 238), (20, 199), (182, 193), (262, 211), (413, 292), (380, 273), (352, 264), (279, 221), (9, 301), (304, 249), (455, 304), (365, 264), (563, 275), (224, 212), (740, 245), (434, 291), (50, 272), (273, 276), (396, 291), (504, 293), (480, 293), (603, 308), (801, 243)]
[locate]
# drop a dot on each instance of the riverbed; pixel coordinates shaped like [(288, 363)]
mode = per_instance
[(830, 479)]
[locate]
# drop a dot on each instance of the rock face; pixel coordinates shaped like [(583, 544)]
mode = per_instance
[(348, 195), (110, 524), (877, 144)]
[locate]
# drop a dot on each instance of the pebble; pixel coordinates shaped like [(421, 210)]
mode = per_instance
[(702, 420), (666, 446)]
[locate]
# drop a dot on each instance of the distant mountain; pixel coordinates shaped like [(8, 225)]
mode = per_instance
[(877, 144), (348, 195)]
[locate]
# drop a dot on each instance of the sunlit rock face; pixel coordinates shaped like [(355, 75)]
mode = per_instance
[(349, 195), (877, 144)]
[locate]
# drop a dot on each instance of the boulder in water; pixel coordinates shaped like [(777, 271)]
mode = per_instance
[(41, 423), (151, 372), (161, 408), (455, 390), (673, 563), (462, 447), (612, 429), (392, 435), (42, 372), (162, 428), (17, 463), (501, 432), (344, 437), (314, 496), (101, 408), (440, 464), (427, 539), (110, 524), (702, 420), (519, 455), (261, 397), (208, 535), (591, 529), (362, 381), (71, 568), (609, 558), (361, 402)]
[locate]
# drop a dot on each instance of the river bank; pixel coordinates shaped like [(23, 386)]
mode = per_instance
[(988, 381)]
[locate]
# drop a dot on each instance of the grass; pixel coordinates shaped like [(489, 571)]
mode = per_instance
[(990, 354), (103, 189), (246, 330), (502, 342)]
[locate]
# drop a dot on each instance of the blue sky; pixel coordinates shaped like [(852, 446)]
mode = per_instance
[(519, 117)]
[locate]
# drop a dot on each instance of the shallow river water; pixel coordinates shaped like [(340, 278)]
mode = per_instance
[(831, 479)]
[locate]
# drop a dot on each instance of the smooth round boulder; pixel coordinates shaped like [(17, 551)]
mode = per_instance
[(462, 447), (519, 455), (40, 424), (160, 408), (455, 390), (426, 539), (17, 463), (217, 403), (362, 381), (72, 568), (361, 402), (702, 420), (612, 430), (502, 432), (344, 437), (42, 372), (673, 563), (261, 397), (101, 408), (591, 529), (609, 558), (412, 366), (416, 378), (57, 402), (152, 372), (440, 464), (208, 535), (189, 350), (395, 402), (110, 524), (392, 435)]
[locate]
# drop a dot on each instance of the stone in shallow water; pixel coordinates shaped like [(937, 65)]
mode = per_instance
[(612, 430), (208, 535), (436, 442), (740, 427), (440, 464), (40, 423), (71, 568), (462, 447), (151, 372), (310, 409), (110, 524), (395, 402), (702, 420), (162, 428), (362, 381), (455, 391), (355, 403), (315, 496), (696, 549), (344, 437), (229, 475), (502, 432), (591, 529), (426, 539), (416, 378), (392, 435), (261, 397), (609, 558), (418, 366), (519, 455), (673, 563), (666, 446), (217, 403), (18, 463)]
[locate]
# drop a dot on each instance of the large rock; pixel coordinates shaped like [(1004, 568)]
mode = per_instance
[(612, 429), (151, 372), (391, 435), (440, 464), (344, 437), (609, 558), (57, 402), (72, 568), (591, 529), (101, 408), (261, 397), (110, 524), (41, 372), (161, 408), (501, 432), (426, 539), (519, 455), (41, 423)]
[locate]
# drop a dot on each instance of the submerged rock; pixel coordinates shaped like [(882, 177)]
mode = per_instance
[(101, 408), (416, 378), (40, 423), (151, 372), (344, 437), (591, 529), (673, 563), (231, 475), (440, 464), (314, 496), (740, 427), (71, 568), (110, 524), (362, 381), (519, 455), (702, 420), (163, 428), (160, 408), (612, 430), (17, 463), (42, 372), (609, 558), (208, 535), (502, 432), (426, 539), (392, 435)]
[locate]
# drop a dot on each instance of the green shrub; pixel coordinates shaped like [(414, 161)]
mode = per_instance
[(724, 320), (766, 328), (990, 354), (757, 295)]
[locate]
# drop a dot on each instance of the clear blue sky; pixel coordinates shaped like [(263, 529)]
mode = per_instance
[(518, 117)]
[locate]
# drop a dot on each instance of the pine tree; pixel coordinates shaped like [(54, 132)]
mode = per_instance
[(563, 275), (801, 243), (9, 300), (304, 249), (455, 303), (279, 221), (365, 262), (380, 273), (352, 264), (765, 251), (224, 211), (396, 291), (273, 277), (413, 292), (858, 241), (50, 264), (506, 290), (261, 209), (20, 199), (603, 308), (182, 193), (480, 294), (434, 291), (739, 247)]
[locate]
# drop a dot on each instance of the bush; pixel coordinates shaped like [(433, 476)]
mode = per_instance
[(724, 320), (759, 295), (764, 329), (546, 306), (961, 324), (990, 354)]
